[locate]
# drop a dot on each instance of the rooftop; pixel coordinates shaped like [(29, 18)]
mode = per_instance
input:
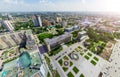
[(13, 68), (56, 39)]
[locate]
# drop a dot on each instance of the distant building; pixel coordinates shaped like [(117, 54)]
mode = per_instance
[(53, 22), (8, 40), (9, 17), (70, 29), (82, 35), (64, 23), (58, 19), (46, 23), (52, 43), (37, 21), (7, 25)]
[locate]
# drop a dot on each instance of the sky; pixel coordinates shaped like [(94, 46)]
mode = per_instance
[(59, 5)]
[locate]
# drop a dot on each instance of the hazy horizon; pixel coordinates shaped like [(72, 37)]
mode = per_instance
[(60, 6)]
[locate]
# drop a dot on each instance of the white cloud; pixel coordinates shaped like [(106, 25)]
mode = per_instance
[(48, 5), (83, 1)]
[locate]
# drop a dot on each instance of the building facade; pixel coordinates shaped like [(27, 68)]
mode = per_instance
[(8, 40), (52, 43), (37, 21), (70, 29), (7, 25)]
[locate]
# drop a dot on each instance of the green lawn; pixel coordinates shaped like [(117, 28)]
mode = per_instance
[(65, 69), (71, 63), (70, 74), (95, 58), (60, 62), (79, 47), (85, 50), (82, 75), (81, 54), (48, 74), (55, 51), (42, 36), (57, 74), (66, 58), (93, 62), (75, 70), (69, 43), (86, 57), (90, 54)]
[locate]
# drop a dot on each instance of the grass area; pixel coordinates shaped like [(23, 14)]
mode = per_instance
[(85, 50), (9, 60), (56, 74), (71, 63), (77, 49), (69, 43), (60, 62), (75, 33), (95, 58), (75, 70), (55, 51), (81, 53), (70, 74), (97, 35), (65, 69), (47, 59), (86, 57), (82, 75), (48, 62), (42, 36), (93, 62), (48, 74), (65, 58), (96, 47), (90, 54), (23, 25)]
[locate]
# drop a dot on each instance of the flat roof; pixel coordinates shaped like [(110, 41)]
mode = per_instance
[(58, 38)]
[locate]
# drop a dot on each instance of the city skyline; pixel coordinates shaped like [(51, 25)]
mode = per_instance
[(59, 5)]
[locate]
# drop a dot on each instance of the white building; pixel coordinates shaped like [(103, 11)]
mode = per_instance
[(58, 19), (7, 25), (70, 29), (37, 21), (82, 35)]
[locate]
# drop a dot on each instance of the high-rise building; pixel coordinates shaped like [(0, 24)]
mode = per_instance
[(7, 25), (9, 17), (37, 21)]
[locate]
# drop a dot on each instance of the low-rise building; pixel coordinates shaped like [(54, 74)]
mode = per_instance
[(52, 43), (81, 35), (70, 29)]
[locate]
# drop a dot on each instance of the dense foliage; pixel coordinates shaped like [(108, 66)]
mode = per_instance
[(44, 35), (24, 25), (99, 35)]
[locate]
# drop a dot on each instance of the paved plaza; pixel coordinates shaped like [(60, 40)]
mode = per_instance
[(83, 64), (113, 69)]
